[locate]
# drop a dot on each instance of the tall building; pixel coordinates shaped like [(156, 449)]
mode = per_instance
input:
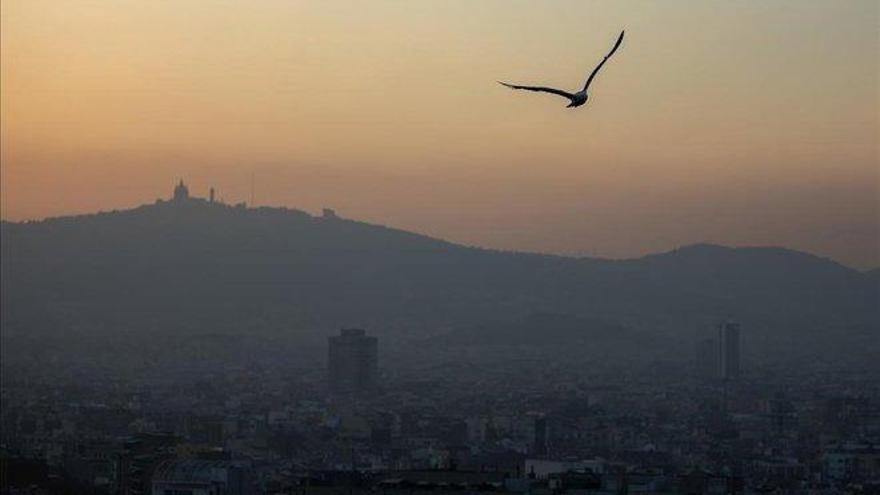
[(353, 361), (728, 350), (542, 434)]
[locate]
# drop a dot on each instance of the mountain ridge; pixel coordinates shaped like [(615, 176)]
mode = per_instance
[(184, 266), (685, 248)]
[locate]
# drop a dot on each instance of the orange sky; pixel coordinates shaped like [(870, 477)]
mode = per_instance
[(742, 123)]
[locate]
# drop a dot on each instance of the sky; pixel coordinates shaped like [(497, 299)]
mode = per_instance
[(739, 123)]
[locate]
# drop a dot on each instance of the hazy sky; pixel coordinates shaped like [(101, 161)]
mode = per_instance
[(742, 123)]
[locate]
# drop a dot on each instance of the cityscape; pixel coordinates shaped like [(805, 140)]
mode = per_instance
[(439, 247), (358, 413)]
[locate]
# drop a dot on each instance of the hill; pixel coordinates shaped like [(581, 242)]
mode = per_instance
[(195, 266)]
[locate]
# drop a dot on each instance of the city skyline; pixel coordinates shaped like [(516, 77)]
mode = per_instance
[(322, 248)]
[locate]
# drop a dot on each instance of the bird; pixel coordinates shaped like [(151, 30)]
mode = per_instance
[(576, 99)]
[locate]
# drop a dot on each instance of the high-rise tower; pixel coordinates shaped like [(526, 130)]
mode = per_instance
[(352, 361), (729, 350)]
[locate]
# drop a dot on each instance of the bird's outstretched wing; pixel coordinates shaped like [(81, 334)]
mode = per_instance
[(596, 70), (542, 89)]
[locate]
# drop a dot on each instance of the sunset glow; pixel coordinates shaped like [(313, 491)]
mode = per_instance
[(738, 123)]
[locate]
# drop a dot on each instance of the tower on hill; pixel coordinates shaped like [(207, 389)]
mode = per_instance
[(181, 192)]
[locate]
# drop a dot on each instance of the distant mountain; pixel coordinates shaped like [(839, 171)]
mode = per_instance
[(195, 266)]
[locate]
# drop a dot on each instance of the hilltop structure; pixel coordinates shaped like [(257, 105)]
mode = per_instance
[(181, 195), (181, 192)]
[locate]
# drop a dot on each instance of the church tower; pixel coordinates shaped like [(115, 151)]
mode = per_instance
[(181, 192)]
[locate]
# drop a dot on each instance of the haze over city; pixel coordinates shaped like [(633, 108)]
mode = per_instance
[(439, 247), (736, 123)]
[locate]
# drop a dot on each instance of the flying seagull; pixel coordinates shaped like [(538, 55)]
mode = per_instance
[(579, 98)]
